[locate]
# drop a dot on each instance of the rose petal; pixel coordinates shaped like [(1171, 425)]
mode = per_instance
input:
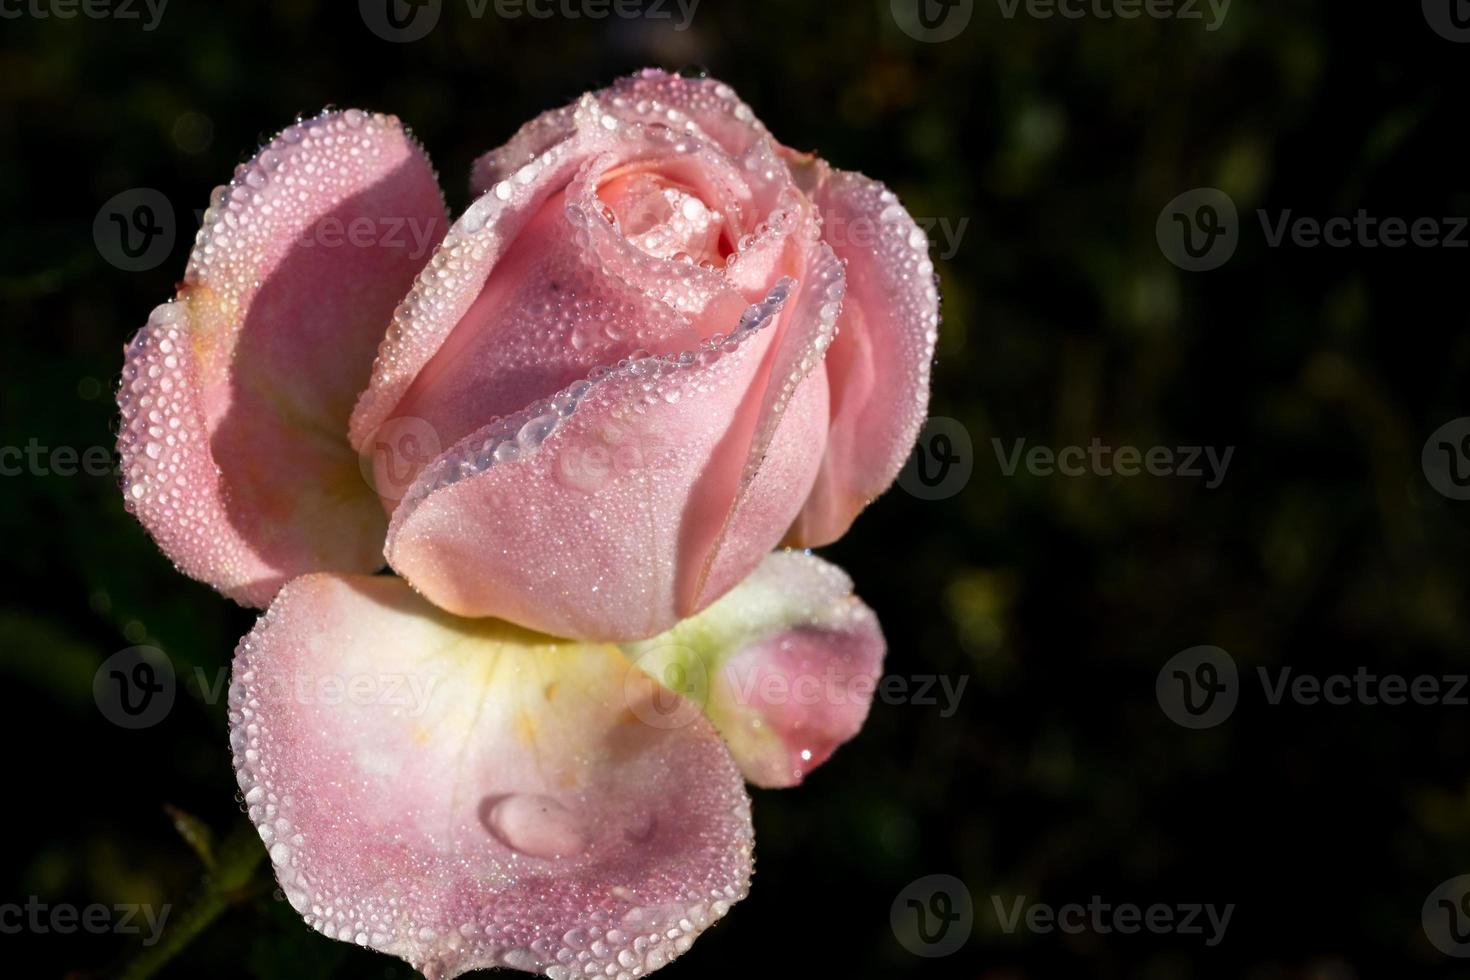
[(878, 366), (464, 794), (703, 105), (455, 277), (533, 287), (594, 514), (789, 433), (235, 396), (785, 665)]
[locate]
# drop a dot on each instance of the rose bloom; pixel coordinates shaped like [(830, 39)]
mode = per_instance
[(658, 345)]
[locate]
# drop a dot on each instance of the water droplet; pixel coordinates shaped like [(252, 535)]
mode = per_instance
[(533, 824)]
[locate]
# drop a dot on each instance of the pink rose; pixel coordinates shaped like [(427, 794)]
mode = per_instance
[(658, 345)]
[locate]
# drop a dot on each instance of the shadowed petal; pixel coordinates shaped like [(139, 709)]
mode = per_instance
[(466, 794), (878, 365), (600, 512), (235, 396), (785, 665)]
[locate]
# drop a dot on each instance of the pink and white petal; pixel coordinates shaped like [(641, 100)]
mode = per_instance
[(704, 106), (455, 279), (235, 396), (878, 365), (593, 514), (465, 794), (790, 430), (534, 287), (531, 141), (785, 665)]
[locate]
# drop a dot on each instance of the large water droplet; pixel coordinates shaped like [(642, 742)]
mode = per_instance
[(533, 824)]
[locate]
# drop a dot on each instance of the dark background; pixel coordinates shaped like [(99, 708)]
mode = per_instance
[(1057, 142)]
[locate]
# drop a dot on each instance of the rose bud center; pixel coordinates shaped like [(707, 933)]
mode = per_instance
[(665, 219)]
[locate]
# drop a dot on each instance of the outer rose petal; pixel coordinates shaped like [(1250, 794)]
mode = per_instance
[(557, 272), (235, 396), (519, 303), (606, 511), (705, 106), (785, 665), (878, 367), (465, 794)]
